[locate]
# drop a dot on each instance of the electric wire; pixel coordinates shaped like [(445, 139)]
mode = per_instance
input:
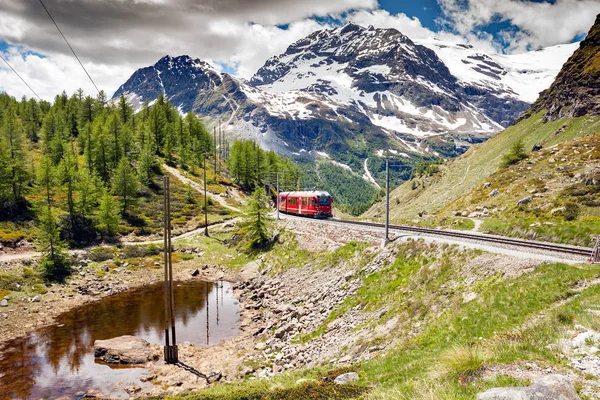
[(20, 77), (67, 42)]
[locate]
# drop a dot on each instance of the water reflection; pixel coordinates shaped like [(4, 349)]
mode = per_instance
[(59, 360)]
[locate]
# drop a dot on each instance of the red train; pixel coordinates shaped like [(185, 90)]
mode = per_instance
[(315, 204)]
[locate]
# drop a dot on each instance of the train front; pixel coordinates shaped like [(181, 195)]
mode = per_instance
[(325, 205)]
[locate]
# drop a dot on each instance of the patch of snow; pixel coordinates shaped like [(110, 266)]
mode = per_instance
[(367, 175)]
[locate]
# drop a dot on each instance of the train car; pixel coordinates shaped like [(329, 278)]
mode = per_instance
[(315, 203)]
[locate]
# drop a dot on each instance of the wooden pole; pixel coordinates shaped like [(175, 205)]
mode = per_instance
[(172, 310), (166, 264), (205, 201), (170, 350)]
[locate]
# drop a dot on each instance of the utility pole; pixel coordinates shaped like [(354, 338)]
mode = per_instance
[(277, 201), (170, 349), (205, 199), (387, 200), (215, 145)]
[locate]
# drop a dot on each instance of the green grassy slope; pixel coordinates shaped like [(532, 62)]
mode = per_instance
[(461, 175)]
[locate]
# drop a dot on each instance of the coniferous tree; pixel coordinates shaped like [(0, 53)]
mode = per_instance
[(47, 178), (54, 263), (125, 184), (108, 215), (257, 223), (12, 136)]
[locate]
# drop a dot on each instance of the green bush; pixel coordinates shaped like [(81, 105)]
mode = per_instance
[(516, 154), (572, 211)]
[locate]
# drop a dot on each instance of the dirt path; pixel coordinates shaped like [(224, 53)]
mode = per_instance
[(177, 174)]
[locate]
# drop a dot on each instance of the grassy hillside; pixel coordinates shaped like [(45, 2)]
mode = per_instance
[(461, 175)]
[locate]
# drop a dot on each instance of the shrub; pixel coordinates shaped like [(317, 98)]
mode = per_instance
[(515, 154), (572, 211)]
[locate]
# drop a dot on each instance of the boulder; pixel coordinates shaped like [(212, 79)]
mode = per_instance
[(536, 147), (195, 272), (487, 184), (124, 350), (494, 192), (551, 387), (525, 200), (3, 303), (346, 378)]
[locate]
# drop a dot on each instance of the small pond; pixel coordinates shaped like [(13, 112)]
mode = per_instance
[(59, 360)]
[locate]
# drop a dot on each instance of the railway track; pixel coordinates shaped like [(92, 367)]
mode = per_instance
[(530, 244)]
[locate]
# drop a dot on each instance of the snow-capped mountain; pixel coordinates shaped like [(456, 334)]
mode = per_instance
[(350, 92)]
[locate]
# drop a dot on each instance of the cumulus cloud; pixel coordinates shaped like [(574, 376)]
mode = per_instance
[(540, 23), (115, 37)]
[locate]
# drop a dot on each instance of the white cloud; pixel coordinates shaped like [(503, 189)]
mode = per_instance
[(541, 24), (115, 37)]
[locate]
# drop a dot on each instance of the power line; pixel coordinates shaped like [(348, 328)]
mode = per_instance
[(67, 42), (20, 77)]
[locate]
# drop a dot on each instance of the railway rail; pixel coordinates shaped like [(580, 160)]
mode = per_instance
[(522, 243)]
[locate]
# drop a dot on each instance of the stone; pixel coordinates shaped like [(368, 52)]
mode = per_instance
[(345, 359), (124, 350), (494, 192), (487, 184), (536, 147), (3, 303), (558, 210), (260, 346), (551, 387), (525, 200), (93, 394), (195, 272), (214, 376), (36, 299), (133, 389), (346, 378)]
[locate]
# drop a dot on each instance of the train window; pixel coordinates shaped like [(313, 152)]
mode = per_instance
[(314, 201), (305, 201), (292, 200), (324, 200)]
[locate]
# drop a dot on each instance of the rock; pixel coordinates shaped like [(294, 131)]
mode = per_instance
[(213, 377), (260, 346), (346, 378), (551, 387), (551, 160), (525, 200), (345, 359), (36, 299), (105, 268), (133, 389), (465, 214), (558, 210), (494, 192), (124, 350), (536, 147), (93, 394), (487, 184), (195, 272), (250, 270), (3, 303)]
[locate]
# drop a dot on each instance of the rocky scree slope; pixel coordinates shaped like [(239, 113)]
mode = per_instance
[(345, 93)]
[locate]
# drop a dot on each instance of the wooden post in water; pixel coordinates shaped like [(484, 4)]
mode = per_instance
[(171, 356)]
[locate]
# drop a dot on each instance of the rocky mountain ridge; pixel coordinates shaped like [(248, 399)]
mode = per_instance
[(576, 90)]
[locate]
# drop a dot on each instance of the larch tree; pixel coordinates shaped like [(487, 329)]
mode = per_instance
[(125, 183)]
